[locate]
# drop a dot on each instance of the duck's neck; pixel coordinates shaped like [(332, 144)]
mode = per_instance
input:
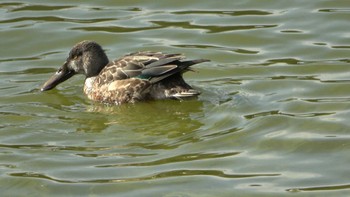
[(96, 65)]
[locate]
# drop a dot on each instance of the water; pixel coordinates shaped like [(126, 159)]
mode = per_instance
[(272, 119)]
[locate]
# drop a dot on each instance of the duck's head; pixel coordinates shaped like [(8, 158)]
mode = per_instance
[(86, 57)]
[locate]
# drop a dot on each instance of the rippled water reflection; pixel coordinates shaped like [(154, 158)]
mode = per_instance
[(271, 119)]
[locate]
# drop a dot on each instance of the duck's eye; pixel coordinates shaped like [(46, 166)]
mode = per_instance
[(80, 53)]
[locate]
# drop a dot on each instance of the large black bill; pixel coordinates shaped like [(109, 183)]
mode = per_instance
[(60, 76)]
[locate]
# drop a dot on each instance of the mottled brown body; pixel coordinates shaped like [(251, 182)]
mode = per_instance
[(118, 92)]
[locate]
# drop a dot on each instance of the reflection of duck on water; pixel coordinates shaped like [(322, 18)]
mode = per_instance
[(134, 77), (166, 117)]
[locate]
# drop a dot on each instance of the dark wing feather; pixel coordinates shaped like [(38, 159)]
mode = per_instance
[(156, 71), (162, 62), (154, 66)]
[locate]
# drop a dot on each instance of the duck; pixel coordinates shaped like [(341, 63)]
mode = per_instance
[(135, 77)]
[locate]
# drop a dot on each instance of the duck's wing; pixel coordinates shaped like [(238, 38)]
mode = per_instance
[(142, 65), (152, 66)]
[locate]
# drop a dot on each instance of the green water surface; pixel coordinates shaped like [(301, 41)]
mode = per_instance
[(272, 119)]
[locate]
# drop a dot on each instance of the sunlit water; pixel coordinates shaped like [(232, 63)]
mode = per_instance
[(272, 119)]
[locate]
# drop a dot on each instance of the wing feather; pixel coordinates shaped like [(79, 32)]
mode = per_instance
[(147, 65)]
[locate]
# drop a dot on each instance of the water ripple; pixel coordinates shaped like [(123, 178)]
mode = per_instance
[(55, 19), (114, 155), (277, 112), (52, 147), (326, 100), (333, 10), (37, 57), (229, 13), (26, 7), (201, 46), (167, 24), (283, 60), (321, 188), (160, 175), (176, 159)]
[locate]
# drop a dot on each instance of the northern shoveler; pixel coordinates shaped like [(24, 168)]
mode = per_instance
[(134, 77)]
